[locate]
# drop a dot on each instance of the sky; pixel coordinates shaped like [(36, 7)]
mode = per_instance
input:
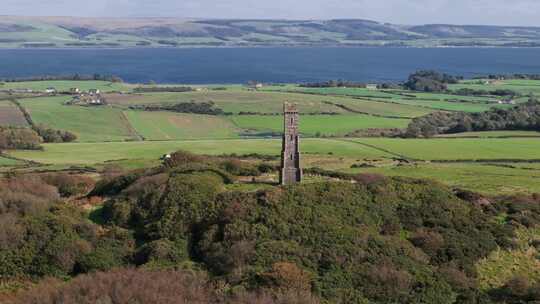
[(489, 12)]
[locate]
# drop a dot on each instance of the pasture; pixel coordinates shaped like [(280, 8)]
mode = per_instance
[(170, 126), (90, 124), (96, 153), (311, 125), (458, 148), (491, 162), (235, 100)]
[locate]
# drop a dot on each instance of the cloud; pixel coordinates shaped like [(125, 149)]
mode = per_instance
[(498, 12)]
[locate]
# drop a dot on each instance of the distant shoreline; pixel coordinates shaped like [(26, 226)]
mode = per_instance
[(267, 47)]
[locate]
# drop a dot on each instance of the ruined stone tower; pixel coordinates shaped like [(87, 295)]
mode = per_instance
[(290, 152)]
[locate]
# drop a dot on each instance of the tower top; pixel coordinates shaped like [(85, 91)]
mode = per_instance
[(290, 107)]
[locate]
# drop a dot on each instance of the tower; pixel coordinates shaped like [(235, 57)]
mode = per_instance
[(290, 152)]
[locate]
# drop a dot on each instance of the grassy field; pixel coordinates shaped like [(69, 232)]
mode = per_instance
[(434, 101), (95, 153), (169, 126), (10, 115), (322, 124), (8, 162), (235, 100), (90, 124), (65, 85), (458, 148)]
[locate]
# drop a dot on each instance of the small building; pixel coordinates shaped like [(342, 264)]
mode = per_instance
[(88, 100), (94, 91), (507, 101), (371, 86), (75, 90), (50, 90)]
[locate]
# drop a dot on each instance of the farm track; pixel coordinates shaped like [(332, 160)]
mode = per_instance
[(130, 127), (378, 149)]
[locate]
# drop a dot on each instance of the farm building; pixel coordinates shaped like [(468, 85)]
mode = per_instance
[(94, 91), (88, 100), (74, 90), (50, 90)]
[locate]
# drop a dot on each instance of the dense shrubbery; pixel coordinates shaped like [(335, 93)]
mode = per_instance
[(184, 107), (31, 139), (522, 117), (379, 239), (42, 236), (19, 138), (150, 287), (430, 81), (473, 92), (54, 136), (366, 239)]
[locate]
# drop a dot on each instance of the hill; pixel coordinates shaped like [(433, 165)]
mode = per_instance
[(171, 32), (362, 239)]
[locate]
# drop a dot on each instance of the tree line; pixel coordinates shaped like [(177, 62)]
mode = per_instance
[(524, 117)]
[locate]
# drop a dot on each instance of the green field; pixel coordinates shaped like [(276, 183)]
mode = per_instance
[(236, 100), (90, 124), (95, 153), (497, 162), (319, 124), (170, 126), (8, 162), (65, 85), (459, 148)]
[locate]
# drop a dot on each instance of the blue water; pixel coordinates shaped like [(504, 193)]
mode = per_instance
[(238, 65)]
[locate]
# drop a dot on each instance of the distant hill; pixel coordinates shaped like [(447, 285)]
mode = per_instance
[(171, 32)]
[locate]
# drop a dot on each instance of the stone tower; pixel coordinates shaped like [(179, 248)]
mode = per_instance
[(290, 152)]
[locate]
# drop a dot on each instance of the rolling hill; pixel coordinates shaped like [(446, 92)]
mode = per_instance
[(28, 32)]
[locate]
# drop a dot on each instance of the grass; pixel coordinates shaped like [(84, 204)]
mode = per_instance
[(323, 124), (8, 162), (231, 100), (65, 85), (90, 124), (168, 126), (10, 115), (458, 148), (96, 153), (236, 100)]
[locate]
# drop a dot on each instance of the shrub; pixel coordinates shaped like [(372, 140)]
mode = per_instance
[(69, 184)]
